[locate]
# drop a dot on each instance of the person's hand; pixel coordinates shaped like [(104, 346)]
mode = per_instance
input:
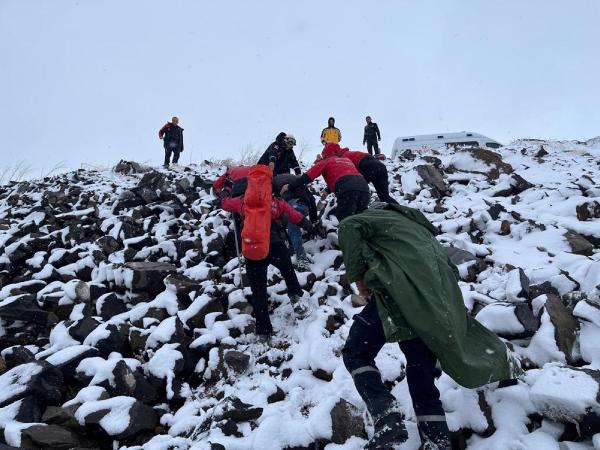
[(284, 189), (324, 195), (272, 165), (319, 157), (363, 290), (379, 139)]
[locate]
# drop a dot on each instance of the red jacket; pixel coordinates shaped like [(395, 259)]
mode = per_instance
[(332, 168), (233, 174), (355, 157), (278, 209)]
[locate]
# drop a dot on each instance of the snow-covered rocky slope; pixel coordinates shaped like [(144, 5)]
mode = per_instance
[(124, 325)]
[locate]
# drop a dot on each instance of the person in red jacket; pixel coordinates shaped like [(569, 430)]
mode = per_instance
[(373, 170), (342, 178), (279, 256), (233, 176), (172, 136)]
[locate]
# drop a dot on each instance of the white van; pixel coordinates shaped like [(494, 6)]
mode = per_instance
[(458, 140)]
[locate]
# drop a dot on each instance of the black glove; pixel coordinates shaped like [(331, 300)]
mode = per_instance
[(222, 196), (297, 171)]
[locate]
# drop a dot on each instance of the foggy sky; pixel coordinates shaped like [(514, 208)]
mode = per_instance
[(93, 81)]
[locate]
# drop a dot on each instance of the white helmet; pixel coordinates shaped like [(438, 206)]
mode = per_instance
[(290, 138)]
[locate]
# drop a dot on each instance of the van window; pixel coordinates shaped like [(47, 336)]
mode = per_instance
[(492, 145), (440, 137), (462, 144), (408, 139)]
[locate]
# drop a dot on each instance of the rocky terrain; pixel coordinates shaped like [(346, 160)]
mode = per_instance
[(124, 323)]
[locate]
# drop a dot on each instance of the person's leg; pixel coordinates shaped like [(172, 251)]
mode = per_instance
[(370, 147), (346, 205), (257, 275), (376, 147), (295, 232), (167, 156), (176, 156), (362, 201), (279, 256), (431, 419), (365, 339), (381, 185)]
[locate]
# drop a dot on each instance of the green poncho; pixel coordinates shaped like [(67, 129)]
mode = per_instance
[(395, 253)]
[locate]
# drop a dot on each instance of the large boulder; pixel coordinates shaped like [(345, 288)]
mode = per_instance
[(38, 379), (148, 276), (48, 437)]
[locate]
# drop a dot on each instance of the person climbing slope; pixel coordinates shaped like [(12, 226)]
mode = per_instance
[(372, 169), (280, 155), (414, 299), (274, 213), (302, 200), (342, 178)]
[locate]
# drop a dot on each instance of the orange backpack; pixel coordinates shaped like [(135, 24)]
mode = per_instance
[(256, 233)]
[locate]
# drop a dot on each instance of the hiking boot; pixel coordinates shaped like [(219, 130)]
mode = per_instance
[(263, 339), (303, 264), (434, 435), (390, 431)]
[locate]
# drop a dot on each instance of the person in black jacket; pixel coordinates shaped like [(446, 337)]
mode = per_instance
[(280, 155), (172, 135), (372, 136), (302, 200)]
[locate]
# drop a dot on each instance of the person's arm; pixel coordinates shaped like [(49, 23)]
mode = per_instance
[(353, 232), (232, 204), (219, 183), (323, 136), (312, 208), (182, 139), (378, 133), (295, 217), (161, 132), (339, 135), (365, 136), (294, 163)]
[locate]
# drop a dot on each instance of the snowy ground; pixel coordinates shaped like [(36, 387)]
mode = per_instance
[(188, 347)]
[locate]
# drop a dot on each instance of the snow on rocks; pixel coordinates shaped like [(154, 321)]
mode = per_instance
[(124, 322)]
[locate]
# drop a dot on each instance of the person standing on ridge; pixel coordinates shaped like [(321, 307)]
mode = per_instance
[(413, 298), (372, 136), (280, 155), (331, 133), (172, 135)]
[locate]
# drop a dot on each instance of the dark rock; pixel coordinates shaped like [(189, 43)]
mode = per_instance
[(504, 228), (24, 308), (146, 194), (68, 363), (238, 361), (64, 416), (182, 285), (197, 320), (108, 244), (230, 428), (82, 328), (525, 316), (142, 419), (110, 305), (132, 384), (335, 321), (153, 180), (432, 177), (148, 276), (346, 421), (114, 342), (588, 210), (277, 396), (517, 287), (322, 374), (541, 289), (486, 409), (565, 326), (29, 410), (48, 436), (44, 382), (239, 411), (541, 152), (579, 244), (17, 355), (495, 210)]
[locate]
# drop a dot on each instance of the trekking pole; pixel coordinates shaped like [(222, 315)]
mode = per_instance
[(237, 250)]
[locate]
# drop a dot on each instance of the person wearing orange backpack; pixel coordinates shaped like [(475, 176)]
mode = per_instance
[(342, 178), (278, 255)]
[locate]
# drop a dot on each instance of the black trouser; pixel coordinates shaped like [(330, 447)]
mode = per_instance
[(376, 173), (350, 203), (279, 256), (365, 340), (168, 152), (372, 144)]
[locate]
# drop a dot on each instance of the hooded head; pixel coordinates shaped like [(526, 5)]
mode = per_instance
[(331, 122), (331, 149), (280, 138), (175, 120)]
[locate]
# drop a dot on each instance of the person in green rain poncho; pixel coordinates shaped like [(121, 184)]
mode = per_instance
[(413, 298)]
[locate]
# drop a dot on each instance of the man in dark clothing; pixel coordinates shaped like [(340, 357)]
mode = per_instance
[(302, 201), (342, 178), (331, 133), (279, 256), (372, 136), (172, 135), (373, 170), (280, 155)]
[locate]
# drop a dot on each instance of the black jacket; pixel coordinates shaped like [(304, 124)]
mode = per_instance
[(173, 137), (301, 193), (371, 132), (284, 160)]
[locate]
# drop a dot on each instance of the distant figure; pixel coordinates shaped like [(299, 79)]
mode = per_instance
[(172, 136), (331, 133), (372, 136), (280, 155)]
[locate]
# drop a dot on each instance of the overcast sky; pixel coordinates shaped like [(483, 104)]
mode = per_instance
[(93, 81)]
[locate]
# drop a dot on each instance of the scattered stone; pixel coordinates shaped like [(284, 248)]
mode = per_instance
[(579, 244), (237, 361), (109, 305), (346, 421), (48, 436), (148, 276), (565, 326), (239, 411)]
